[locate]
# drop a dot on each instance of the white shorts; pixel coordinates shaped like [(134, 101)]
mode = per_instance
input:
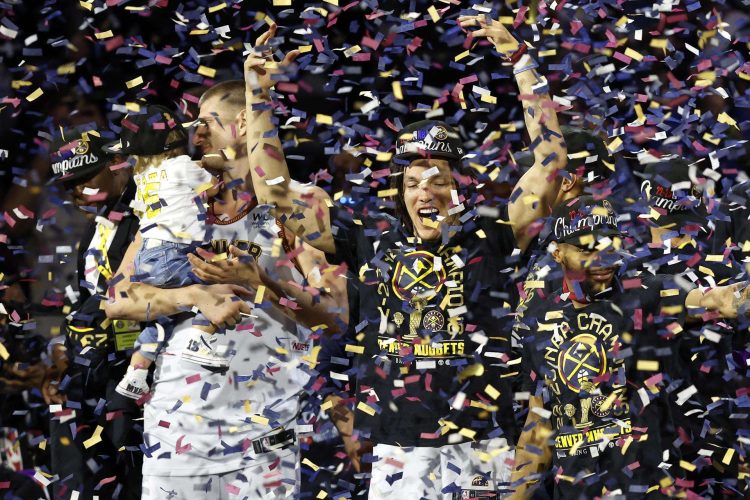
[(445, 473), (278, 478)]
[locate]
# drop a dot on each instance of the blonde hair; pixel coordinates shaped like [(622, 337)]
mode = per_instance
[(142, 162), (229, 92)]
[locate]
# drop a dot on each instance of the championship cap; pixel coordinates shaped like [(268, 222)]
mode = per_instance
[(582, 221), (76, 154), (147, 132), (429, 139), (673, 198), (587, 155)]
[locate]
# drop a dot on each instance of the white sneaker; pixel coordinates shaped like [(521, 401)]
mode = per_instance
[(133, 385), (201, 349)]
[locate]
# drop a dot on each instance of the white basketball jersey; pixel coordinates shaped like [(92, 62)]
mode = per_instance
[(199, 422)]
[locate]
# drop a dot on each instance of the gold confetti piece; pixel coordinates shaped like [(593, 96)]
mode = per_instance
[(481, 233), (687, 465), (647, 365), (306, 461), (467, 433), (633, 54), (614, 145), (66, 69), (658, 43), (461, 55), (95, 438), (259, 419), (352, 50), (363, 407), (134, 82), (327, 405), (216, 8), (434, 14), (321, 494), (397, 90), (492, 392), (488, 99), (728, 456), (198, 32), (324, 119), (332, 2), (359, 349), (670, 292), (3, 351), (725, 118), (104, 34), (206, 71), (383, 156), (133, 106), (35, 95), (86, 5), (304, 48), (385, 193), (259, 294), (43, 444)]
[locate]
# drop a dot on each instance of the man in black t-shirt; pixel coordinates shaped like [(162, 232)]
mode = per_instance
[(596, 362), (94, 437), (434, 288)]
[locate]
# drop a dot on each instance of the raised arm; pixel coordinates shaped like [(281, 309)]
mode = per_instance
[(305, 216), (538, 187)]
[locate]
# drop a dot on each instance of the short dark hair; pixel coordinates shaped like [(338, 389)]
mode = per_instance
[(230, 92)]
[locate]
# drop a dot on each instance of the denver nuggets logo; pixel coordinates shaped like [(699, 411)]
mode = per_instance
[(82, 148), (440, 133), (433, 321), (415, 276), (480, 481), (581, 359)]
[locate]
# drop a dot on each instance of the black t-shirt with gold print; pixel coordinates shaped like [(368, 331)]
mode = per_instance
[(602, 371), (434, 329)]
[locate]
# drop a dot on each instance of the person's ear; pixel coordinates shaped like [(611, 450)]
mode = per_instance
[(568, 183), (557, 254), (241, 123)]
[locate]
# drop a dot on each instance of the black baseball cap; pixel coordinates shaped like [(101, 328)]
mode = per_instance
[(587, 155), (672, 196), (147, 132), (429, 139), (77, 154), (577, 220)]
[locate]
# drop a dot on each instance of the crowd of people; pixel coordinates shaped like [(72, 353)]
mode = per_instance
[(581, 335)]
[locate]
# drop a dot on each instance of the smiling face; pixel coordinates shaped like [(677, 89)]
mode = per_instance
[(102, 188), (594, 269), (427, 196)]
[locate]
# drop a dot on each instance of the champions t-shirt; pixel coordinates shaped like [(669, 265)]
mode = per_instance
[(600, 370), (434, 328)]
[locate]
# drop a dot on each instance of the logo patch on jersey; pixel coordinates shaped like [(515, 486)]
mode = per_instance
[(300, 346), (415, 276), (433, 321), (581, 359)]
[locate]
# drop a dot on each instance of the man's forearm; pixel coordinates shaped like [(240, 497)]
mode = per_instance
[(303, 306), (141, 302), (539, 114)]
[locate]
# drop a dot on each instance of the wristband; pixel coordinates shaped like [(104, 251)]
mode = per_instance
[(515, 56)]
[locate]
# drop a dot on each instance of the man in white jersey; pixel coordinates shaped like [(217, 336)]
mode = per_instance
[(210, 434)]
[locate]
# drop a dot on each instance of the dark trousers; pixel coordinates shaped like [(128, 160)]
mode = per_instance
[(108, 466)]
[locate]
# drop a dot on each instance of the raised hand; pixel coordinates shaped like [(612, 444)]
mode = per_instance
[(493, 30), (260, 66)]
